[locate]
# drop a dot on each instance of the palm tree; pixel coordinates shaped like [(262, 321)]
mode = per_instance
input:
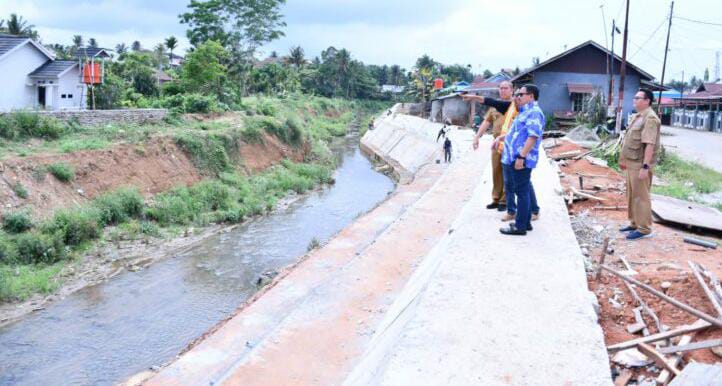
[(159, 51), (296, 57), (121, 49), (92, 43), (77, 41), (171, 43), (19, 26), (136, 46)]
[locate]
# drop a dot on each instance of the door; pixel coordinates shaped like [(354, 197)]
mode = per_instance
[(41, 96)]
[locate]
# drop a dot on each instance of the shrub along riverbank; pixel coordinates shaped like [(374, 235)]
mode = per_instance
[(34, 251)]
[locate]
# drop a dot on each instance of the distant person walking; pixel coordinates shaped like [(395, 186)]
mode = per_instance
[(447, 150), (639, 155)]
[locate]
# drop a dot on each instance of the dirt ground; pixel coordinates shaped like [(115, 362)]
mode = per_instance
[(661, 258)]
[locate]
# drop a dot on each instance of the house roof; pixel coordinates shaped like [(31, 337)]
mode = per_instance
[(162, 76), (91, 52), (710, 88), (585, 44), (53, 69), (9, 43)]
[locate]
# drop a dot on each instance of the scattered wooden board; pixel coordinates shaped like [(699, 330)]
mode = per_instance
[(691, 346), (665, 376), (624, 378), (696, 326), (669, 209), (658, 358)]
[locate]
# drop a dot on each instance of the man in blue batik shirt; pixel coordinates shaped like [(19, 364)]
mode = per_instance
[(521, 151)]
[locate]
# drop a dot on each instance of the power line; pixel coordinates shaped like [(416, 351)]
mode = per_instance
[(649, 38), (698, 21)]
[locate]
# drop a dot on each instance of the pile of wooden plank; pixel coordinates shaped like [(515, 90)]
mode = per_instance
[(666, 347)]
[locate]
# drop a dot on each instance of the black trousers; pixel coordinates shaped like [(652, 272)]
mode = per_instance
[(447, 155)]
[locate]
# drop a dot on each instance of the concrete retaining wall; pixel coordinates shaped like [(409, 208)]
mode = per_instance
[(406, 142), (104, 117)]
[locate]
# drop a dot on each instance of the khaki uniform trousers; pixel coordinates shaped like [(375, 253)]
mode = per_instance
[(497, 191), (639, 202)]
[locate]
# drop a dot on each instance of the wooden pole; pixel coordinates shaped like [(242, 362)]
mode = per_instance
[(705, 288), (605, 245), (664, 63), (622, 72), (706, 317), (699, 325), (644, 306)]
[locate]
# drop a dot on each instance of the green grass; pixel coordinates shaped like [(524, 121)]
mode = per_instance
[(19, 282), (686, 179), (76, 144), (62, 171), (20, 190)]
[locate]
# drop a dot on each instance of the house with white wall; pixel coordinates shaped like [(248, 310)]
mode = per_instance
[(33, 79)]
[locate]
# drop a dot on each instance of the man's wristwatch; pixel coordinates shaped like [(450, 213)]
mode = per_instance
[(645, 166), (520, 157)]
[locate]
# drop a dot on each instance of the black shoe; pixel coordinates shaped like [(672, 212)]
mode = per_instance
[(501, 208), (511, 230), (528, 228), (493, 205), (628, 228)]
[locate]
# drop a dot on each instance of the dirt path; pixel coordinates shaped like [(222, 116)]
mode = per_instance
[(700, 146)]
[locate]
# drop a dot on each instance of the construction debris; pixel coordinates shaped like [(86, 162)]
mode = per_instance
[(668, 209), (691, 346), (583, 136), (696, 374), (701, 243)]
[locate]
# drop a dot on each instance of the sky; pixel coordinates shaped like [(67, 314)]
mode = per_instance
[(486, 34)]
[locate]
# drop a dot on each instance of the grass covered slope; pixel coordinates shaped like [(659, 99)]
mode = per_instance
[(34, 250)]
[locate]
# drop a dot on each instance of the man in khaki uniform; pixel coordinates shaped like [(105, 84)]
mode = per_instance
[(495, 119), (639, 155)]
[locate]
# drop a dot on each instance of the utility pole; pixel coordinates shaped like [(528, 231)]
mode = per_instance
[(610, 65), (716, 66), (622, 71), (664, 63)]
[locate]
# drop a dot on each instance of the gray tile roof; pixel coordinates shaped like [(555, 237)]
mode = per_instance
[(89, 52), (8, 42), (52, 68)]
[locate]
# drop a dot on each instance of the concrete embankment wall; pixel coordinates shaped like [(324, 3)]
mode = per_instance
[(407, 142)]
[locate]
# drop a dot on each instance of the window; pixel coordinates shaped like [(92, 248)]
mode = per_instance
[(579, 100), (63, 96), (70, 96)]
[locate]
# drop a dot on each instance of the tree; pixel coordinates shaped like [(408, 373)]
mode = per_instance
[(425, 62), (2, 25), (395, 73), (121, 49), (204, 70), (171, 43), (535, 61), (16, 25), (242, 24), (160, 57), (137, 69), (296, 57), (706, 74), (92, 43), (136, 47), (487, 74), (77, 41)]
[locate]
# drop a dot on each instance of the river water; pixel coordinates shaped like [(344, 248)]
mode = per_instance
[(103, 334)]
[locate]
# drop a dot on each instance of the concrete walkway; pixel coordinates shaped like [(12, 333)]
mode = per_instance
[(422, 290), (693, 145), (489, 309)]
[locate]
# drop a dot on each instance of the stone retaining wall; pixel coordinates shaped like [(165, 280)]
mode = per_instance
[(104, 117)]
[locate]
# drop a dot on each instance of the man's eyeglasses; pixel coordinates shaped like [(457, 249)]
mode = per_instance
[(638, 97), (519, 94)]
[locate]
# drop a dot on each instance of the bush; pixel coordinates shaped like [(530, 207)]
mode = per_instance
[(196, 103), (35, 247), (17, 222), (20, 190), (8, 250), (208, 152), (266, 108), (8, 129), (76, 226), (149, 228), (62, 171), (119, 206)]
